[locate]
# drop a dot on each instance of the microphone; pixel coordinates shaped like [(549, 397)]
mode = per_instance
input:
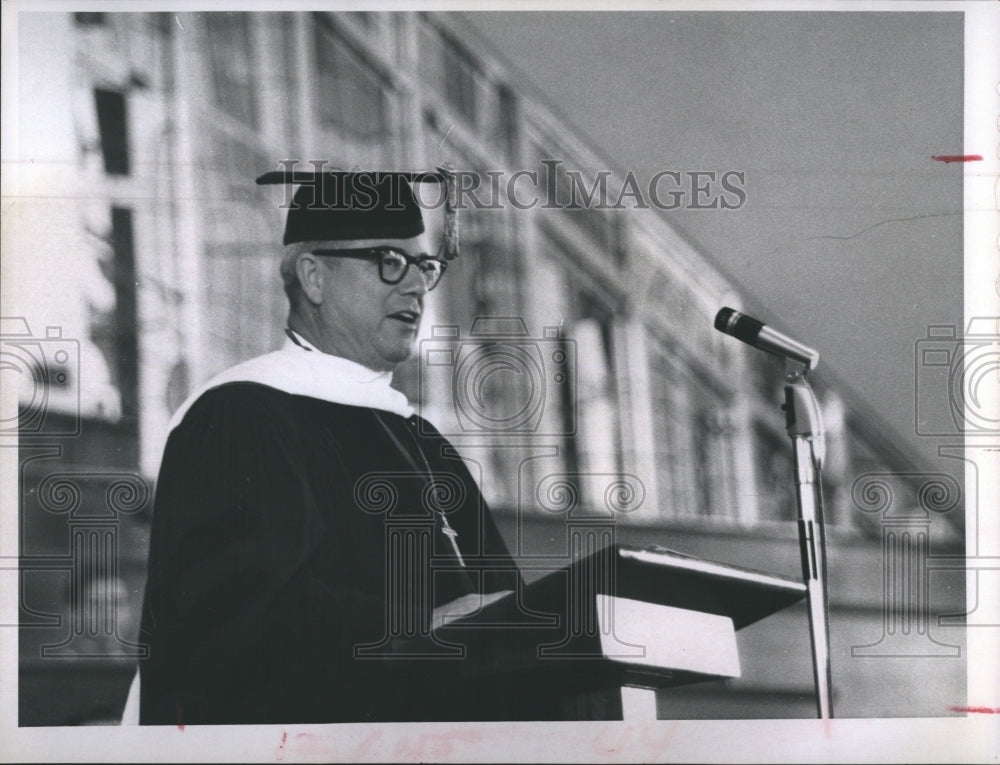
[(759, 335)]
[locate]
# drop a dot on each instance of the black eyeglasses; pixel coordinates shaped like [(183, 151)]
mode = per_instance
[(393, 263)]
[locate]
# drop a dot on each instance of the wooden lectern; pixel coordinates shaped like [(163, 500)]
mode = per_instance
[(576, 642)]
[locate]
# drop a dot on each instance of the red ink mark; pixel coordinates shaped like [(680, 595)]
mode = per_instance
[(302, 747), (434, 747), (312, 746), (180, 717), (947, 158), (977, 710), (281, 746), (365, 747)]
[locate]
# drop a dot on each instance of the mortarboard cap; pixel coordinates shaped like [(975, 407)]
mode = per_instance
[(334, 205)]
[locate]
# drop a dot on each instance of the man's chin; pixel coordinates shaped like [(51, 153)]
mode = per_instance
[(393, 356)]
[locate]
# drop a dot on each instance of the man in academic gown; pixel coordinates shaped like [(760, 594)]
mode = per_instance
[(308, 526)]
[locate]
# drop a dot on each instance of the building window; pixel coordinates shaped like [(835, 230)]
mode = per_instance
[(114, 331), (579, 196), (89, 19), (112, 121), (350, 93), (597, 446), (451, 70), (775, 475), (460, 79), (715, 469), (588, 404), (243, 292), (674, 452), (596, 406), (507, 120), (288, 99), (232, 63), (570, 196), (768, 377)]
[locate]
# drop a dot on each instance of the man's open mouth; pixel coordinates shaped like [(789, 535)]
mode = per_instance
[(408, 317)]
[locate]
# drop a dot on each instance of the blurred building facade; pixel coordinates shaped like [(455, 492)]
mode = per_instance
[(615, 393)]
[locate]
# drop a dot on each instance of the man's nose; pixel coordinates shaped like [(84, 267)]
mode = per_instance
[(413, 282)]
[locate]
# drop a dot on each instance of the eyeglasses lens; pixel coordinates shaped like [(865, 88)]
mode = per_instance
[(393, 267)]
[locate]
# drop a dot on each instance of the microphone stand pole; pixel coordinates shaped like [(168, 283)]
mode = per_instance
[(804, 424)]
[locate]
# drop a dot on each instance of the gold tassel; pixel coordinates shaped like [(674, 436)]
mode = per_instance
[(451, 250)]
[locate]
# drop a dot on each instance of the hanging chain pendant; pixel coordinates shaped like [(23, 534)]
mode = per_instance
[(452, 535)]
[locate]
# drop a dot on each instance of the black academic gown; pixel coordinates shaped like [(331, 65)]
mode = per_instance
[(291, 543)]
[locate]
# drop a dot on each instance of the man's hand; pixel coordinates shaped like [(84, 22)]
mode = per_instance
[(463, 606)]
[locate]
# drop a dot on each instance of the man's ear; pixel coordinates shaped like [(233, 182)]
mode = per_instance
[(311, 274)]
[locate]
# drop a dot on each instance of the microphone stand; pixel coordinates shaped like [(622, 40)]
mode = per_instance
[(804, 424)]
